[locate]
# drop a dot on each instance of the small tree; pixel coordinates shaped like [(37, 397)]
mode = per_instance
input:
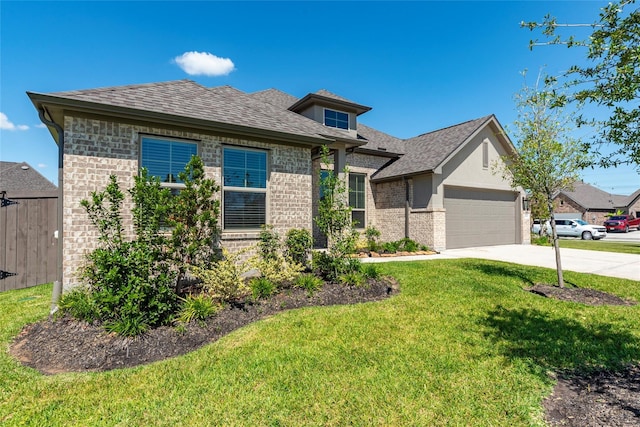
[(334, 221), (193, 217), (610, 78), (548, 158)]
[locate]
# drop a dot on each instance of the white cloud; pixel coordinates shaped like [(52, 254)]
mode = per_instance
[(41, 126), (42, 165), (204, 63), (5, 124)]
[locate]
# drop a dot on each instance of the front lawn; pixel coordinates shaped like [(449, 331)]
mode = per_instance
[(596, 245), (462, 344)]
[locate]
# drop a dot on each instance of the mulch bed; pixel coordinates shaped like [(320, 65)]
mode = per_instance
[(582, 295), (68, 345)]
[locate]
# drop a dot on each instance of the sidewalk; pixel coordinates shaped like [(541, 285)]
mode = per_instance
[(626, 266)]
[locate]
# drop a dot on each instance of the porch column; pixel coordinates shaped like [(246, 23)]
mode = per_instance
[(339, 161)]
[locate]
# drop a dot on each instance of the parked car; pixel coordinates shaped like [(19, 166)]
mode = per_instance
[(536, 227), (622, 223), (577, 228)]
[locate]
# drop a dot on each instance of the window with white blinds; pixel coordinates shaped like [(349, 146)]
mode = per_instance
[(244, 201), (166, 158)]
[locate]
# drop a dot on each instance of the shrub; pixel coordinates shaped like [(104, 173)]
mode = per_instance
[(309, 282), (298, 244), (225, 280), (79, 304), (193, 220), (269, 243), (261, 287), (391, 247), (197, 307), (130, 282), (408, 245), (353, 278), (331, 267), (372, 235), (278, 269), (370, 271)]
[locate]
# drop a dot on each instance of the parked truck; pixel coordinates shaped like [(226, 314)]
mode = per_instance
[(622, 223)]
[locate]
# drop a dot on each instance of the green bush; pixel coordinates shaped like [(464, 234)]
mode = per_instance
[(332, 267), (309, 282), (269, 243), (298, 244), (197, 307), (130, 282), (353, 278), (370, 271), (391, 247), (372, 235), (261, 287), (79, 304)]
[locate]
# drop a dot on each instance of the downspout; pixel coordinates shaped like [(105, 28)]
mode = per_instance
[(406, 207), (57, 285)]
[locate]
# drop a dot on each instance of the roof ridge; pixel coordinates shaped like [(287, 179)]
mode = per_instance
[(129, 86), (483, 119)]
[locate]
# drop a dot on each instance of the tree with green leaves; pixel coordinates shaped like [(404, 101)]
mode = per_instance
[(193, 219), (610, 78), (548, 158)]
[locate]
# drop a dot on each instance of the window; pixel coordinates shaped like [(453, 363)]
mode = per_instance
[(485, 154), (166, 158), (244, 188), (356, 199), (336, 119), (323, 175)]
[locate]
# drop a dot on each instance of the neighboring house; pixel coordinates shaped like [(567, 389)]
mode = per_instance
[(28, 212), (263, 148), (593, 205)]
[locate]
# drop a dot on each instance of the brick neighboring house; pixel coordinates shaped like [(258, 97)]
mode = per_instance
[(262, 147), (591, 204)]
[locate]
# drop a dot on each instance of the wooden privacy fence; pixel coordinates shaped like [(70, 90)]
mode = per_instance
[(28, 254)]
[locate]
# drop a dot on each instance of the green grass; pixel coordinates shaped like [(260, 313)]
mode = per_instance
[(601, 245), (462, 344)]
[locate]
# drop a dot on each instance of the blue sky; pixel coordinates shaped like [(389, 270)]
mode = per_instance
[(421, 66)]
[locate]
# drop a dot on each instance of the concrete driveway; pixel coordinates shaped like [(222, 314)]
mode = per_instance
[(612, 264)]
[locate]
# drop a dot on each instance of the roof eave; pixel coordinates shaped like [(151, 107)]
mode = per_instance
[(313, 98), (60, 103)]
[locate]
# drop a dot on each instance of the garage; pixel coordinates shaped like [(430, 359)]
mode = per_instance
[(477, 217)]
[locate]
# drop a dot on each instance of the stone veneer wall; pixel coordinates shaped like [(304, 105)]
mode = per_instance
[(95, 149)]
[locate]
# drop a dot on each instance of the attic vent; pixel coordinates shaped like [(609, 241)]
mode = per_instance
[(24, 167), (382, 149)]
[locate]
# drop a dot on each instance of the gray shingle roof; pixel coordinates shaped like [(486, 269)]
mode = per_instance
[(223, 104), (377, 140), (22, 177), (426, 152), (591, 197), (276, 97), (631, 199)]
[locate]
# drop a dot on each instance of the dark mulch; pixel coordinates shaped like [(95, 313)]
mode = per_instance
[(582, 295), (600, 398), (67, 345)]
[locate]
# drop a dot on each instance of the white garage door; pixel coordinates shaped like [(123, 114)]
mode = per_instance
[(480, 218)]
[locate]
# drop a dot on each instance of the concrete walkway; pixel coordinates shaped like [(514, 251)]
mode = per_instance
[(612, 264)]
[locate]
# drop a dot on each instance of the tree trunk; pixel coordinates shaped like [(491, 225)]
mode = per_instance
[(556, 245)]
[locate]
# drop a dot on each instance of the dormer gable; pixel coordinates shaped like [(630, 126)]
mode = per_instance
[(331, 110)]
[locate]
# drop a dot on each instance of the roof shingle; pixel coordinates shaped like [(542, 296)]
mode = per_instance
[(21, 176)]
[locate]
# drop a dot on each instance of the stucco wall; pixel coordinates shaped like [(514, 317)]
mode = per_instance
[(95, 148)]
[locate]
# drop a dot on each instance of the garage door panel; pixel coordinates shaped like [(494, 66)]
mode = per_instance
[(479, 218)]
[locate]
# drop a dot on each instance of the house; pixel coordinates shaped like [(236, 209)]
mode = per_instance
[(28, 213), (593, 205), (436, 188)]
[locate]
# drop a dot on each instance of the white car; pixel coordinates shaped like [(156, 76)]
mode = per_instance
[(577, 228)]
